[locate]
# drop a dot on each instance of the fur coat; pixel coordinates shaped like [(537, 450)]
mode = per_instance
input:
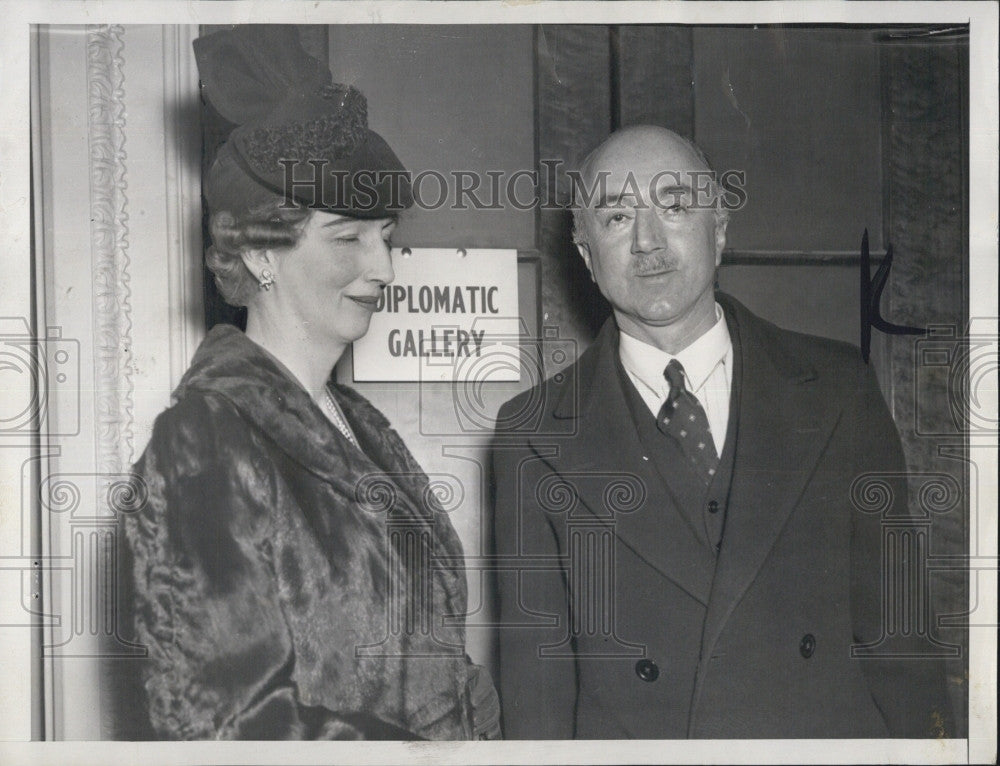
[(285, 584)]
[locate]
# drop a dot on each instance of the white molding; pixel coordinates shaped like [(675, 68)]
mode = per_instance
[(109, 250), (43, 687)]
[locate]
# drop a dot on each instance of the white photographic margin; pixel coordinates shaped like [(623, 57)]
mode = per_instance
[(16, 284)]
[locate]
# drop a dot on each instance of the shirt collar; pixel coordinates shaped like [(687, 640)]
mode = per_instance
[(700, 358)]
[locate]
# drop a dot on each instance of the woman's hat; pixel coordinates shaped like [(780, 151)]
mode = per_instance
[(299, 135)]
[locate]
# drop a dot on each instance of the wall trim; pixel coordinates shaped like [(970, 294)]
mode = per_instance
[(109, 251), (182, 149), (797, 258)]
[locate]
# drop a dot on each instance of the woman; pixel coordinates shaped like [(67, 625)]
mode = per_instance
[(267, 582)]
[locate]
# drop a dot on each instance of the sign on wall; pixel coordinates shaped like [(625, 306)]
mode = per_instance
[(450, 315)]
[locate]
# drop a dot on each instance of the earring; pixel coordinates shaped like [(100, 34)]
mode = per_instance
[(265, 280)]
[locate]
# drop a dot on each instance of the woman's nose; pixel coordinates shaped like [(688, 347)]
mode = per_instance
[(380, 263)]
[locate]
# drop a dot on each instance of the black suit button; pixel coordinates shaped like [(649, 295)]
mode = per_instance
[(807, 645), (647, 670), (713, 507)]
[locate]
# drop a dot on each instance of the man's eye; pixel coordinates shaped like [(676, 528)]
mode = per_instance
[(346, 238), (618, 218)]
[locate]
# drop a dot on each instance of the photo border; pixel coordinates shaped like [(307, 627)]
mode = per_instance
[(18, 282)]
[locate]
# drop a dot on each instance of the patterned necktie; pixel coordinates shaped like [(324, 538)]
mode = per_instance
[(683, 418)]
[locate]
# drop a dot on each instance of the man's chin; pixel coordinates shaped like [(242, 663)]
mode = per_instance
[(672, 317)]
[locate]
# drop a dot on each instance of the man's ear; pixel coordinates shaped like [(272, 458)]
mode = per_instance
[(257, 261), (584, 250), (720, 239)]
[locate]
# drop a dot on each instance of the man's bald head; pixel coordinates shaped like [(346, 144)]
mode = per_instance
[(646, 149)]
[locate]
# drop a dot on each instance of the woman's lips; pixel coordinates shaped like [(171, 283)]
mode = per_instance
[(368, 301)]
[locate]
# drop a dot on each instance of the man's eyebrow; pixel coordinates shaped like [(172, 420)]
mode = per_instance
[(675, 189), (611, 200), (614, 200), (338, 221)]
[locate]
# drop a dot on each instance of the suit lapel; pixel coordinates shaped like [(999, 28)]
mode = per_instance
[(607, 446), (783, 428)]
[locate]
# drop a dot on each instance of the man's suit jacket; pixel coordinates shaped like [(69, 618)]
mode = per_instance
[(754, 643)]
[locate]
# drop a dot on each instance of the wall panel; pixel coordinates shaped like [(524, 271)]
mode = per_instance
[(926, 127), (796, 109), (449, 98)]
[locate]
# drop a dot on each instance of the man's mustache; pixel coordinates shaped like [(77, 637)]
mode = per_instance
[(652, 264)]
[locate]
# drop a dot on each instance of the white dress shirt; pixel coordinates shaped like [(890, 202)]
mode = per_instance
[(708, 373)]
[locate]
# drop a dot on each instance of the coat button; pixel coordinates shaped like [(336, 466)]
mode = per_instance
[(713, 506), (647, 670), (807, 645)]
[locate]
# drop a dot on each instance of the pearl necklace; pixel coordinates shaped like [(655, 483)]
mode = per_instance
[(338, 419)]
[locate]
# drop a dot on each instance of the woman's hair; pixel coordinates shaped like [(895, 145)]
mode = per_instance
[(267, 225)]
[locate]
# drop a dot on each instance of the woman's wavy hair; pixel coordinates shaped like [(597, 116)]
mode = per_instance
[(270, 224)]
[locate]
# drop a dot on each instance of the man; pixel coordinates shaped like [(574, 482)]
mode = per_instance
[(679, 551)]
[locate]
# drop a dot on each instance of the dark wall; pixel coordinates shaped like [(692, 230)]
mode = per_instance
[(797, 110), (926, 158), (447, 99)]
